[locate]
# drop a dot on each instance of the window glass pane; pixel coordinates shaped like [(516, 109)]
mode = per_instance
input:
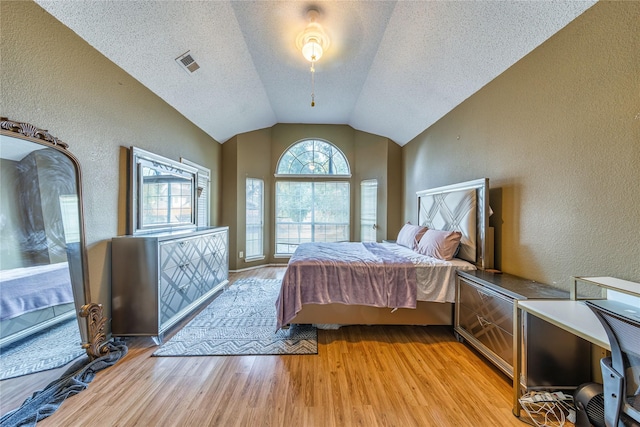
[(167, 200), (313, 157), (287, 160), (254, 229), (311, 212)]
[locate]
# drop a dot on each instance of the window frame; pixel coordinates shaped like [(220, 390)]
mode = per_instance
[(203, 197), (313, 179), (313, 175), (364, 185), (254, 257), (313, 224)]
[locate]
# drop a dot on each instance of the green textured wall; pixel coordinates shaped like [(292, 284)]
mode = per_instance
[(55, 80), (558, 134)]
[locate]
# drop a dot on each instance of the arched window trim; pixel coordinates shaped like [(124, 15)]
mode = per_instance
[(313, 176)]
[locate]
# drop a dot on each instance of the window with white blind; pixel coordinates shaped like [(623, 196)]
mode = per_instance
[(254, 218), (202, 194), (312, 196), (368, 210)]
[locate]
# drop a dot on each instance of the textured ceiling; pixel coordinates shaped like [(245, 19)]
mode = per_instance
[(392, 68)]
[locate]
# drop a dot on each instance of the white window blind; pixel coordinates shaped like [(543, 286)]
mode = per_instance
[(203, 204), (368, 209), (254, 218)]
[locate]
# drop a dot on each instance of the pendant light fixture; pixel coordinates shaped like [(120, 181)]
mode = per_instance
[(313, 41)]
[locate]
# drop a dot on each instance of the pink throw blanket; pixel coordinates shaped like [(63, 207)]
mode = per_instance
[(347, 273)]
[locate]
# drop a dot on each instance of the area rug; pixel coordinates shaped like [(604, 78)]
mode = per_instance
[(241, 321), (49, 349)]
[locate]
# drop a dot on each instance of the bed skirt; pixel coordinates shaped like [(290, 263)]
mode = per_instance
[(425, 313)]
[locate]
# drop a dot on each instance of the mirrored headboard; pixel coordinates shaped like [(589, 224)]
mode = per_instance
[(462, 207), (162, 193)]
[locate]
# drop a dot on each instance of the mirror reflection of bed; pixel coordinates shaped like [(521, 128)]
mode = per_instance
[(41, 265)]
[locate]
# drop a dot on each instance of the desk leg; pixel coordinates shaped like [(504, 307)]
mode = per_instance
[(517, 357)]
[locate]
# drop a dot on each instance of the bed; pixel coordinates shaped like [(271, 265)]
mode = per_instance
[(32, 299), (390, 283)]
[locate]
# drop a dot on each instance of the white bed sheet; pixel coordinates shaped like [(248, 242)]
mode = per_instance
[(432, 273)]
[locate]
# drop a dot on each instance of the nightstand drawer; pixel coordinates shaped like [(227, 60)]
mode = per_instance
[(491, 335), (489, 306)]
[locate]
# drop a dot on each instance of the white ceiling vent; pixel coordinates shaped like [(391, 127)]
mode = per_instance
[(187, 62)]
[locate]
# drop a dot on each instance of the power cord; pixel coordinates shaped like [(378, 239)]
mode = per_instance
[(548, 409)]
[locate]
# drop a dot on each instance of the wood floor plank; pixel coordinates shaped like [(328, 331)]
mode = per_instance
[(362, 376)]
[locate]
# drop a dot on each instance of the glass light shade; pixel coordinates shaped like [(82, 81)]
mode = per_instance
[(312, 51)]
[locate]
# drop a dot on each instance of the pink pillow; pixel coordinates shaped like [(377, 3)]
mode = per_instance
[(410, 235), (439, 244)]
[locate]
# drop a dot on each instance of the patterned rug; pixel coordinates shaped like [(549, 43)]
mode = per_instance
[(49, 349), (241, 321)]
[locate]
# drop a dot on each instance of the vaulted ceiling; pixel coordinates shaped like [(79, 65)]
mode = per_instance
[(391, 69)]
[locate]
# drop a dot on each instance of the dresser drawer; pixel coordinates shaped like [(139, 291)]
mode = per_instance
[(489, 306), (177, 253), (212, 244), (172, 302), (493, 337), (179, 279), (209, 269)]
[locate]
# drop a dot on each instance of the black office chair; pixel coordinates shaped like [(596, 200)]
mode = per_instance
[(621, 371)]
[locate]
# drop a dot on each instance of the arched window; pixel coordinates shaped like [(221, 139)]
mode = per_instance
[(312, 196), (313, 157)]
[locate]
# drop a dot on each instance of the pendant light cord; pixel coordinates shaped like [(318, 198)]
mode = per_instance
[(313, 84)]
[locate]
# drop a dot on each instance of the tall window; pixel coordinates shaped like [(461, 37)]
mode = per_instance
[(309, 209), (368, 209), (254, 218)]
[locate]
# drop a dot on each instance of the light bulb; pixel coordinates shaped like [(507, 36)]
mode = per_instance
[(312, 50)]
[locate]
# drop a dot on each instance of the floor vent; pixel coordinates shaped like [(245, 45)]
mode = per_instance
[(187, 62)]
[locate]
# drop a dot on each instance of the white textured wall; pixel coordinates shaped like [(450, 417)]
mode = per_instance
[(558, 134), (54, 80)]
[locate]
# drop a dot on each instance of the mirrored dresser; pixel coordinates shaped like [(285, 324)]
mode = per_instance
[(160, 278)]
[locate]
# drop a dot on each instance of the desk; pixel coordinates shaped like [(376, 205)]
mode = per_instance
[(571, 315)]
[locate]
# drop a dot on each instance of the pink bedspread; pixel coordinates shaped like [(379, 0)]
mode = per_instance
[(347, 273)]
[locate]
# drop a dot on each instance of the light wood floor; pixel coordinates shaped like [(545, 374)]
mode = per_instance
[(368, 376)]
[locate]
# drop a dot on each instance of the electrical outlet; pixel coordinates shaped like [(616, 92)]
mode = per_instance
[(241, 254)]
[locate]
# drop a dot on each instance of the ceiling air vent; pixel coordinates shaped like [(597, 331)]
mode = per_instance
[(187, 62)]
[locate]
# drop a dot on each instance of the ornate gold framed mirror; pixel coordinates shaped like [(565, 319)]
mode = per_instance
[(43, 261)]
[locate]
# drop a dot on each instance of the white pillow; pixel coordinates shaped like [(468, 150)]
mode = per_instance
[(439, 244), (410, 235)]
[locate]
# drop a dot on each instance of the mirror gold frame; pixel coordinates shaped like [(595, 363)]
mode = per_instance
[(90, 317)]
